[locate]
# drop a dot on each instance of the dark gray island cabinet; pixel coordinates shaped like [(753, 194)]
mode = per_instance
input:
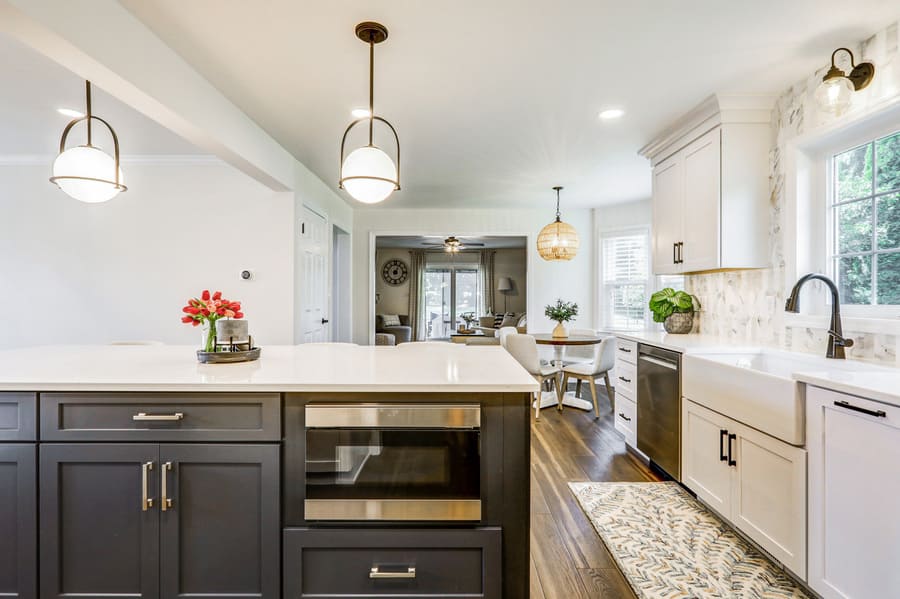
[(136, 473)]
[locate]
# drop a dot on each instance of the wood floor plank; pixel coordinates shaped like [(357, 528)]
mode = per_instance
[(607, 583), (536, 590), (552, 561), (575, 446)]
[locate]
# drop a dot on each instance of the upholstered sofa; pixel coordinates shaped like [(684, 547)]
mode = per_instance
[(489, 325), (402, 333)]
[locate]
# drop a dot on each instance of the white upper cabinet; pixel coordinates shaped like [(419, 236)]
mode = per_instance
[(711, 187)]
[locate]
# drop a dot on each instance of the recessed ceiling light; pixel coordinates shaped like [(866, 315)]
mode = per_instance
[(75, 114), (612, 113), (360, 113)]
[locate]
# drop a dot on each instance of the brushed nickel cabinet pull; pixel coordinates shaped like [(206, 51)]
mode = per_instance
[(146, 502), (376, 573), (165, 501), (144, 416)]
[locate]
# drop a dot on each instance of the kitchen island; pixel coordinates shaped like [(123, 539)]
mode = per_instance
[(316, 471)]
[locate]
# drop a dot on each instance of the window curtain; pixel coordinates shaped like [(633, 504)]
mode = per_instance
[(417, 294), (486, 270)]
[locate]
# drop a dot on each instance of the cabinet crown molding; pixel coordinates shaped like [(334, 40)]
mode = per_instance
[(717, 109)]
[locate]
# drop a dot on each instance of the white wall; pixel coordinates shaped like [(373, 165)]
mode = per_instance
[(80, 273), (511, 263), (547, 281)]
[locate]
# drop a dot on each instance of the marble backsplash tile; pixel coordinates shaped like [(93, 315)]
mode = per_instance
[(748, 306)]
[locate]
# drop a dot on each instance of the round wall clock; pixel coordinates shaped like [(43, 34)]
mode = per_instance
[(394, 272)]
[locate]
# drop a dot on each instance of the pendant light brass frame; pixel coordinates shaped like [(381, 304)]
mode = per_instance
[(88, 118), (558, 231), (371, 33), (861, 74)]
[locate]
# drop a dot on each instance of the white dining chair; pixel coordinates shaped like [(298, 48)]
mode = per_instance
[(580, 354), (505, 332), (604, 360), (525, 351)]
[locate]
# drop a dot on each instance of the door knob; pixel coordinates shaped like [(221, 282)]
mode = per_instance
[(324, 321)]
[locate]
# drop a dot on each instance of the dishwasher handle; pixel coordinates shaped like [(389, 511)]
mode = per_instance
[(658, 362)]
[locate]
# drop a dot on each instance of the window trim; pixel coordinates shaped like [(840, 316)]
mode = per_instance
[(603, 311), (804, 213)]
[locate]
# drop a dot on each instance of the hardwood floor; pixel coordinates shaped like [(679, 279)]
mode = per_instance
[(568, 559)]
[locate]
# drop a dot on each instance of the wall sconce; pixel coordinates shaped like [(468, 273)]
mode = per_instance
[(835, 92)]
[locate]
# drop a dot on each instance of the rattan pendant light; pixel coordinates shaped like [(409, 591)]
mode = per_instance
[(558, 240)]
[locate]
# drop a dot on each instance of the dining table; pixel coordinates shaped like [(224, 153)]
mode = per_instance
[(549, 398)]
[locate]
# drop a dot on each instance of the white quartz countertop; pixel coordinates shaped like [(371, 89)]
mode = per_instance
[(863, 379), (412, 367)]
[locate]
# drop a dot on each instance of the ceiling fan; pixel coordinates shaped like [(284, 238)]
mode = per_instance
[(453, 245)]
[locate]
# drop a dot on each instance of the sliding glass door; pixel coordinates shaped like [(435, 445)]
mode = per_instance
[(450, 291)]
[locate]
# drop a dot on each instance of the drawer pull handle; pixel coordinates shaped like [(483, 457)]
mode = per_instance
[(731, 437), (623, 379), (625, 349), (376, 573), (624, 417), (165, 502), (145, 417), (849, 406), (146, 501), (722, 434)]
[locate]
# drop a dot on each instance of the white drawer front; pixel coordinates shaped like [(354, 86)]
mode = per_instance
[(626, 419), (626, 378), (626, 350)]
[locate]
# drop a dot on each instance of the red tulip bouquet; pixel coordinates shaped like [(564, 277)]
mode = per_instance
[(206, 310)]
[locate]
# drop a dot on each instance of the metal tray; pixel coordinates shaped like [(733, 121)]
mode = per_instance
[(228, 357)]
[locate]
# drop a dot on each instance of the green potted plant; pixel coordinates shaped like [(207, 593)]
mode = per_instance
[(561, 312), (675, 309)]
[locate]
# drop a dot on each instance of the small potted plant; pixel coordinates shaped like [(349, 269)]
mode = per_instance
[(468, 318), (675, 309), (561, 312)]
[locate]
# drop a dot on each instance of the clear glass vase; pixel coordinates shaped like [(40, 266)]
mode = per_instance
[(208, 336)]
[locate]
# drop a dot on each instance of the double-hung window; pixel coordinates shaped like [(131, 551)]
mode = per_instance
[(625, 278), (864, 214)]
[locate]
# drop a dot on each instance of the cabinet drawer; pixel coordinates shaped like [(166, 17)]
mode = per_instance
[(626, 378), (17, 416), (626, 419), (160, 416), (358, 564), (626, 350)]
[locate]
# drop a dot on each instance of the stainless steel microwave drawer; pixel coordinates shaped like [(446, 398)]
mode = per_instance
[(18, 415), (160, 416), (366, 563)]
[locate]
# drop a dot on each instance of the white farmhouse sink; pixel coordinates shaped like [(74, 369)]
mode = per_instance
[(754, 387)]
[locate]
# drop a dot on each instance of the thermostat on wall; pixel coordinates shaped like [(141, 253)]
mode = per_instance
[(246, 275)]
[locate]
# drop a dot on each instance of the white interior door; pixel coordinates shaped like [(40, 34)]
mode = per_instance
[(315, 247)]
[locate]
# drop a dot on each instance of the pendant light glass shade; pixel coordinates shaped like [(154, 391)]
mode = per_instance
[(369, 175), (86, 172), (558, 240), (834, 95)]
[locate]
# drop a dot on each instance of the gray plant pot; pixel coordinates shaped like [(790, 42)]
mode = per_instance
[(679, 323)]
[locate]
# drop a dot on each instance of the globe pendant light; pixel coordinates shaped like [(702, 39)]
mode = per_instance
[(558, 240), (368, 173), (86, 172)]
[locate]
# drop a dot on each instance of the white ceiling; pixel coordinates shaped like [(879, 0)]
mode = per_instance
[(34, 87), (495, 242), (495, 102)]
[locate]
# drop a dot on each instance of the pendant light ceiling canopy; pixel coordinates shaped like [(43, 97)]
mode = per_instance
[(558, 240), (86, 172), (369, 174)]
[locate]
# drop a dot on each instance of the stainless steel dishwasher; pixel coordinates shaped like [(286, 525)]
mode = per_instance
[(659, 407)]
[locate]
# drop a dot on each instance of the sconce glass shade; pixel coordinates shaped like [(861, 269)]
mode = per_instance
[(835, 94), (87, 174), (557, 241), (369, 175)]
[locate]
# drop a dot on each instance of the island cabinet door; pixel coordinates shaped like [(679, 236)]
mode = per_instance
[(99, 532), (18, 521), (705, 442), (219, 514)]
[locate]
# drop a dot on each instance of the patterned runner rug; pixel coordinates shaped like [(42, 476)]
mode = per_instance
[(670, 546)]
